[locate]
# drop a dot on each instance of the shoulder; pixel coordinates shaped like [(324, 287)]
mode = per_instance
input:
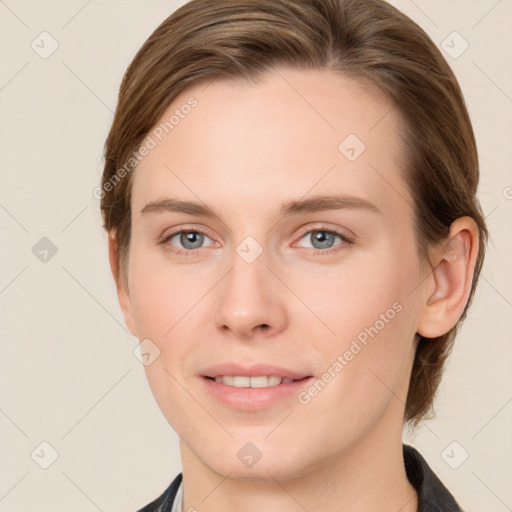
[(433, 496), (165, 501)]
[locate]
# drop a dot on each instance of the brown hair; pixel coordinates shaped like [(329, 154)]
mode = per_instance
[(369, 40)]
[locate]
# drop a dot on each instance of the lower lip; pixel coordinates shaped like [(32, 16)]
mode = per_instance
[(254, 399)]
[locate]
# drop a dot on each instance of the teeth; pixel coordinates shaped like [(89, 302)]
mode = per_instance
[(241, 382), (262, 381)]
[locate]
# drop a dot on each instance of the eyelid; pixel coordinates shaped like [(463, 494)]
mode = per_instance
[(343, 233), (187, 228)]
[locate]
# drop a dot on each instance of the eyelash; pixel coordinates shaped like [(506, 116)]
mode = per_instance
[(347, 241)]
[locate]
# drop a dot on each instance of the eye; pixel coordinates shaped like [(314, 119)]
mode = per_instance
[(323, 240), (190, 240)]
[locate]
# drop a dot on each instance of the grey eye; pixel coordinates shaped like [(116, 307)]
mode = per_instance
[(190, 239), (321, 239)]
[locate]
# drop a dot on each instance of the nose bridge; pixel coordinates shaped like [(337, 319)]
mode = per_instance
[(248, 297)]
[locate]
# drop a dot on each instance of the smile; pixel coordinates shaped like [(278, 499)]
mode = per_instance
[(254, 393), (259, 381)]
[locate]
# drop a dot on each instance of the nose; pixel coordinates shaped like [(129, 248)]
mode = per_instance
[(250, 300)]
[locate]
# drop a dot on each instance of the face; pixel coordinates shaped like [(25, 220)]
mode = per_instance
[(297, 261)]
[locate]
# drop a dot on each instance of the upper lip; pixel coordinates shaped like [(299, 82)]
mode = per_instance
[(252, 370)]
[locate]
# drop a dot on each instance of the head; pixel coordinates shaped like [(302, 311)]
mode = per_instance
[(247, 108)]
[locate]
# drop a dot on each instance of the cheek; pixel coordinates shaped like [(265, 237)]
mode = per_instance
[(366, 371), (158, 300), (168, 310), (160, 306), (353, 298), (371, 318)]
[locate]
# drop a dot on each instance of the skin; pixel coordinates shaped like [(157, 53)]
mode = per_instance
[(244, 150)]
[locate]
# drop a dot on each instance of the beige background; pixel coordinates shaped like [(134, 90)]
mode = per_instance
[(68, 374)]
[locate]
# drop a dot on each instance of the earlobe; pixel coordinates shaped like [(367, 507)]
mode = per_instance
[(123, 294), (452, 278)]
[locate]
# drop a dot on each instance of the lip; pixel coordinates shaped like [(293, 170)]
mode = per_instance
[(253, 399), (252, 371)]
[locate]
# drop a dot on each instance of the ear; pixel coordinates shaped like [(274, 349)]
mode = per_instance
[(123, 293), (451, 280)]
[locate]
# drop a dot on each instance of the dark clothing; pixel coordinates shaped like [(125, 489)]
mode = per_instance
[(433, 496)]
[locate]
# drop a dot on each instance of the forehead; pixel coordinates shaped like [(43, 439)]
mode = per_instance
[(238, 144)]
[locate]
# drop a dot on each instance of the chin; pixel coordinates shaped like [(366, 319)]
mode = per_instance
[(262, 462)]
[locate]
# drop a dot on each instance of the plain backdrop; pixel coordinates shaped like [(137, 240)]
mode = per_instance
[(68, 375)]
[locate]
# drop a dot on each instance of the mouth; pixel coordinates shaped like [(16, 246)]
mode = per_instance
[(257, 381), (254, 388)]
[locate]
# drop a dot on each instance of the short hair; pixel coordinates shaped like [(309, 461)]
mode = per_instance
[(368, 40)]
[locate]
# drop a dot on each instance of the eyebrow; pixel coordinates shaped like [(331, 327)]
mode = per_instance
[(289, 208)]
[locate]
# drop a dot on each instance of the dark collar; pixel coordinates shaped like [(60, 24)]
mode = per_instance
[(433, 496), (164, 502)]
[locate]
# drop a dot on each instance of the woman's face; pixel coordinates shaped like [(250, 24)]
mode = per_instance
[(300, 255)]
